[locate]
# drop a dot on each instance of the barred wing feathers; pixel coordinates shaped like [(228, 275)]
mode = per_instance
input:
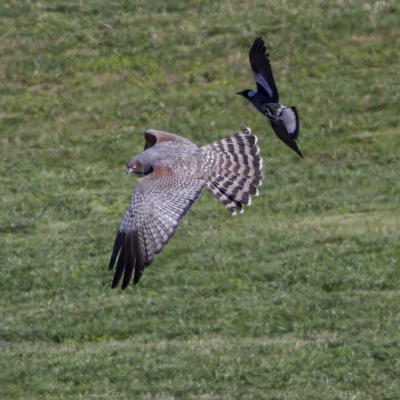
[(159, 201), (233, 169)]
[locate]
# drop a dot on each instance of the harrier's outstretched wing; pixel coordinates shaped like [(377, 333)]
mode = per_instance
[(159, 201)]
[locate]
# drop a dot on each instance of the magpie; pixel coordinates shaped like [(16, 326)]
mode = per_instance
[(284, 120)]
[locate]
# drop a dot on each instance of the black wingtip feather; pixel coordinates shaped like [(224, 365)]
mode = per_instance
[(120, 268), (126, 256), (128, 249), (117, 247), (138, 273)]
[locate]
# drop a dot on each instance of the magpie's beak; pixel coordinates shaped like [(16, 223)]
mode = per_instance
[(241, 93)]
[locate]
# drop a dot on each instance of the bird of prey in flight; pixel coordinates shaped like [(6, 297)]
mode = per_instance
[(176, 171)]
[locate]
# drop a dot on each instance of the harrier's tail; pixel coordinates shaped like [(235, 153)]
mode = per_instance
[(233, 169)]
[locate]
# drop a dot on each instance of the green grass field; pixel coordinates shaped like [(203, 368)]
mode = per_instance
[(298, 298)]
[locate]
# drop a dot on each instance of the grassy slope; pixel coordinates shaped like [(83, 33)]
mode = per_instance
[(296, 299)]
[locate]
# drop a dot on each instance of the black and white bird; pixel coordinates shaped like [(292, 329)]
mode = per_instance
[(284, 120)]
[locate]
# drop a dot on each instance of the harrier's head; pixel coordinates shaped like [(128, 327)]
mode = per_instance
[(139, 164)]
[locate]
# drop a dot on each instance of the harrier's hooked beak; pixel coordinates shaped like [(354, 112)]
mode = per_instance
[(129, 170)]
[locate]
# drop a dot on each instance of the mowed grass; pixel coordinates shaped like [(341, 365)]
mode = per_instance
[(298, 298)]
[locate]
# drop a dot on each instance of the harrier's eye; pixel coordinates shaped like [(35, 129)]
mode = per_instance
[(134, 166)]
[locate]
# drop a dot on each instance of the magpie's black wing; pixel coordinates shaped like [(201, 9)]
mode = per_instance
[(262, 71), (287, 128)]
